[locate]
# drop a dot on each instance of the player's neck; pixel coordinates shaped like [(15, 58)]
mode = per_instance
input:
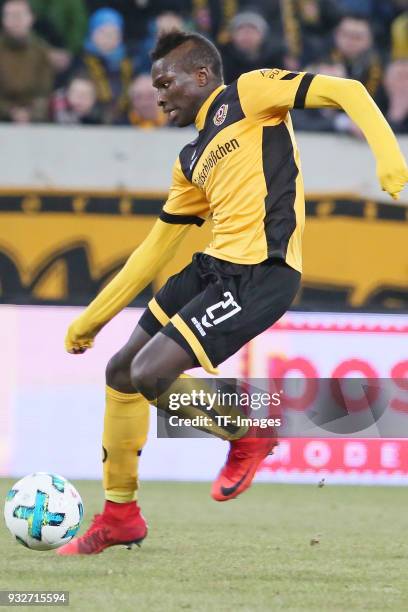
[(206, 101)]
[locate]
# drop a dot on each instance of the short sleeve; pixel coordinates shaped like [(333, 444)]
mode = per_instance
[(271, 91), (186, 204)]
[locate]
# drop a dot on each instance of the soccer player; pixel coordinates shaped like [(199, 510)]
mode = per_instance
[(243, 169)]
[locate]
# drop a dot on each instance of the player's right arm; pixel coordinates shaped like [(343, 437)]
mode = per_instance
[(270, 93), (354, 99), (182, 209), (139, 270)]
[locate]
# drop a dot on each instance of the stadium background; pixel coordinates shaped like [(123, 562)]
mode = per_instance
[(76, 200)]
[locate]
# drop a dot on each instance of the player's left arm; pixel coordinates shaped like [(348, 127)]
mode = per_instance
[(354, 99)]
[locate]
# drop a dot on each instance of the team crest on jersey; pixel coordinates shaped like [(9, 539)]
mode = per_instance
[(220, 115)]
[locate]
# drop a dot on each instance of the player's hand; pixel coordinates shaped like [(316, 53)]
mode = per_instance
[(393, 178), (77, 340)]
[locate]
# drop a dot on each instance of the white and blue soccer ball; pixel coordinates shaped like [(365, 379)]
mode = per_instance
[(43, 511)]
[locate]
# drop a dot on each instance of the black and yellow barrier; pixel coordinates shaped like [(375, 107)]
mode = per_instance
[(62, 247)]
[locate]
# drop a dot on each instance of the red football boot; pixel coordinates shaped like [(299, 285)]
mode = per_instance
[(118, 524), (243, 459)]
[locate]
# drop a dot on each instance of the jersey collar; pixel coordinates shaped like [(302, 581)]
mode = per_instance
[(202, 113)]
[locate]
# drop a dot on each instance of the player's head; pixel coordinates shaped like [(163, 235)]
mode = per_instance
[(186, 69)]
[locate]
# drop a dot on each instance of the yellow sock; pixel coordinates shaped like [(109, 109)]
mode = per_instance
[(125, 431)]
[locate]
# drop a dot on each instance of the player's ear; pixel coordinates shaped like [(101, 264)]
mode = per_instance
[(202, 76)]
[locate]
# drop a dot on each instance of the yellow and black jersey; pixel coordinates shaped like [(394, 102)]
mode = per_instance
[(243, 169)]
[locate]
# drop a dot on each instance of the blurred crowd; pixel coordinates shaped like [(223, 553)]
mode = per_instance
[(87, 61)]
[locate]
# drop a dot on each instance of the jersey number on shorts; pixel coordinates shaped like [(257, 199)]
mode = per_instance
[(210, 319)]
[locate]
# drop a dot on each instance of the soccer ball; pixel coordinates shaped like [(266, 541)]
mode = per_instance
[(43, 511)]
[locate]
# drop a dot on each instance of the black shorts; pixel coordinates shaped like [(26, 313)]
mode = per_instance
[(213, 307)]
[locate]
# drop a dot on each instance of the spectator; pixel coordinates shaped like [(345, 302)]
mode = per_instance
[(76, 104), (144, 111), (250, 47), (167, 21), (379, 13), (63, 25), (64, 21), (26, 74), (353, 45), (396, 87), (108, 63), (307, 26), (321, 119), (211, 17), (164, 22), (137, 14), (399, 37), (302, 27)]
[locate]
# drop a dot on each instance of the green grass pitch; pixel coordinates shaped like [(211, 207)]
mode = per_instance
[(277, 547)]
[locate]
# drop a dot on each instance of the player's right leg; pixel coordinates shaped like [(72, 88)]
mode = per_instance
[(125, 431)]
